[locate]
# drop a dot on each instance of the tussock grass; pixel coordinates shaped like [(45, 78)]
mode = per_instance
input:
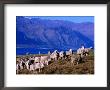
[(66, 67)]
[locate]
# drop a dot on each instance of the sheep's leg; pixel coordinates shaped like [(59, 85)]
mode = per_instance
[(39, 69), (16, 71), (47, 63)]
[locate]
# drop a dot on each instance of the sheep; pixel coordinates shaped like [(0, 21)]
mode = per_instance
[(71, 52), (17, 68), (39, 66), (73, 58), (37, 59), (21, 64), (44, 60), (76, 59), (27, 64), (67, 53), (61, 55), (87, 50), (84, 51), (32, 67), (80, 51), (36, 66), (54, 55)]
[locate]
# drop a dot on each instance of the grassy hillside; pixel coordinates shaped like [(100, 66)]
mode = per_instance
[(66, 67)]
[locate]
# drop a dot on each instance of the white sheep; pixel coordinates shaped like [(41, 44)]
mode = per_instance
[(61, 54), (38, 66), (44, 60), (37, 59)]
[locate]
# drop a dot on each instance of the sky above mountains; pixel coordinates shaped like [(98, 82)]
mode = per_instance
[(76, 19)]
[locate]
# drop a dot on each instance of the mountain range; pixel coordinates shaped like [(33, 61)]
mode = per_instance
[(60, 34)]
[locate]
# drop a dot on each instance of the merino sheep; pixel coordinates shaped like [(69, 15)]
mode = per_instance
[(37, 59), (39, 66), (44, 60), (54, 56), (61, 55)]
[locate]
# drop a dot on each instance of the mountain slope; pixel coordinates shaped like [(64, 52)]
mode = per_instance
[(53, 33)]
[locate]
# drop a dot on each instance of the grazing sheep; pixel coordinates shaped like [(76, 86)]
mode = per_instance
[(84, 51), (37, 59), (61, 55), (71, 51), (54, 55), (32, 67), (80, 51), (76, 59), (17, 68), (87, 50), (79, 59), (39, 66), (44, 60), (21, 64), (27, 64), (73, 58), (67, 53), (39, 62)]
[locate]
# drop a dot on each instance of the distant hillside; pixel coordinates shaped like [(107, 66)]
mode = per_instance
[(42, 33)]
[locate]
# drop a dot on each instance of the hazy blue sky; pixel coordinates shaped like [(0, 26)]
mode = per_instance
[(77, 19)]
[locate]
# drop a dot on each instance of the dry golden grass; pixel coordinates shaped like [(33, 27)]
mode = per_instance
[(66, 67)]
